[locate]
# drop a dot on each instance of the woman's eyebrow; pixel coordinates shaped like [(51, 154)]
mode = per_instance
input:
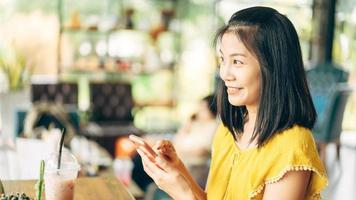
[(237, 54), (234, 54)]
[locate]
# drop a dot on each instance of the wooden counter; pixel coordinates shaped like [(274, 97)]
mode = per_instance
[(86, 188)]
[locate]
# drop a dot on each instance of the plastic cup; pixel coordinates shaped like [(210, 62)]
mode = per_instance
[(59, 183), (123, 169)]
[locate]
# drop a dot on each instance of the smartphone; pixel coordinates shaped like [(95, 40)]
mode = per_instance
[(138, 141)]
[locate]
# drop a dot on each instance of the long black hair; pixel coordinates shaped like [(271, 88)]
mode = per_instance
[(284, 96), (211, 101)]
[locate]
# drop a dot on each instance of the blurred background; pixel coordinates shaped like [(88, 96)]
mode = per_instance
[(102, 69)]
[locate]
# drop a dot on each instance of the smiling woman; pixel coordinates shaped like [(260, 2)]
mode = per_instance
[(264, 148), (267, 113)]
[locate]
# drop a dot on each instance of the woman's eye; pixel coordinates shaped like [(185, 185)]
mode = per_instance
[(235, 62)]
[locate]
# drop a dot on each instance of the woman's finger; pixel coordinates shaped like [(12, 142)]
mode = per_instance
[(145, 167), (160, 159), (147, 153), (151, 165), (156, 147), (162, 162), (140, 142), (166, 148)]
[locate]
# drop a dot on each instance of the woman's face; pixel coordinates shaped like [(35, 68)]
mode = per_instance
[(240, 71)]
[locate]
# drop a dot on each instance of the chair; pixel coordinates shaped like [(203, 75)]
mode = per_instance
[(64, 93), (111, 111), (111, 102), (326, 83)]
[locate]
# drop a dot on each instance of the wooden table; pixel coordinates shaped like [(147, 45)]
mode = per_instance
[(95, 188)]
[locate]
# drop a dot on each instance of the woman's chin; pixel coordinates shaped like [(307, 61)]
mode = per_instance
[(235, 101)]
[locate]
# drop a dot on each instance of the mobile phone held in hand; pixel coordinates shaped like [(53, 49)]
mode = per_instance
[(140, 142)]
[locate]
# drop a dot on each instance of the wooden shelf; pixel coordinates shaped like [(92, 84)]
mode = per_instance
[(169, 103), (93, 29), (97, 75)]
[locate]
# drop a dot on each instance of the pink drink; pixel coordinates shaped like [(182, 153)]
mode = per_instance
[(59, 183), (59, 188)]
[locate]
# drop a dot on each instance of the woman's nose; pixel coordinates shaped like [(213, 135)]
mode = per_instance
[(225, 73)]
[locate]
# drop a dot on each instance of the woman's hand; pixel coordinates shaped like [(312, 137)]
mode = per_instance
[(166, 149), (165, 170)]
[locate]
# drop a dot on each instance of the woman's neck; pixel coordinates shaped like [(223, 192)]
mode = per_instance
[(252, 115), (244, 140)]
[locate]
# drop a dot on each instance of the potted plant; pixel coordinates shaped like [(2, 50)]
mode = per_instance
[(13, 65)]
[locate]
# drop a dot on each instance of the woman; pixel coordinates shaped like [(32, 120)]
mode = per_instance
[(264, 148)]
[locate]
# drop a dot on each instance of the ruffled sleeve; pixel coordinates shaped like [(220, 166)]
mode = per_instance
[(293, 150)]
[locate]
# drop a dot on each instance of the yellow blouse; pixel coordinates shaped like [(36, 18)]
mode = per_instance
[(242, 174)]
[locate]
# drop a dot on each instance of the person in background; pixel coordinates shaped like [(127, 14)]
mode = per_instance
[(193, 143), (264, 148)]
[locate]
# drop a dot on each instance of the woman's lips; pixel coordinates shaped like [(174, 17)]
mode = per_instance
[(233, 90)]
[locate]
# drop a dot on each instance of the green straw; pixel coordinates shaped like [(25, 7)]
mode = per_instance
[(40, 182)]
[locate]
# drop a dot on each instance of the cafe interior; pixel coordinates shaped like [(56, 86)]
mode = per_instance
[(88, 73)]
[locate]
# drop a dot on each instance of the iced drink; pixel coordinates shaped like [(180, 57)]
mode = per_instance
[(59, 183)]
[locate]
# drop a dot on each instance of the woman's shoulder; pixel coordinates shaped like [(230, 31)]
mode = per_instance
[(293, 146), (296, 136), (293, 149)]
